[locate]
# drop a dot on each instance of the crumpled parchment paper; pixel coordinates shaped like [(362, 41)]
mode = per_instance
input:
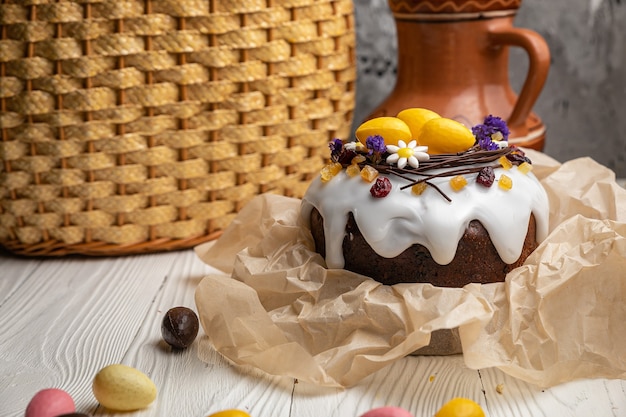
[(560, 317)]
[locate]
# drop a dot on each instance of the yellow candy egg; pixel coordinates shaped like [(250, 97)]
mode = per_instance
[(122, 388), (445, 135), (415, 118), (460, 407), (391, 129), (230, 413)]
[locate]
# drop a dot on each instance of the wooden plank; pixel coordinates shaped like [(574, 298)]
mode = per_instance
[(419, 384), (13, 273), (197, 381), (73, 316), (599, 397), (69, 319), (64, 319)]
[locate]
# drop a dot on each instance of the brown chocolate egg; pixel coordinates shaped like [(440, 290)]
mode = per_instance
[(180, 327), (75, 415)]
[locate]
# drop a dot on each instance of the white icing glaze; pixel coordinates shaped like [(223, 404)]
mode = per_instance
[(392, 224)]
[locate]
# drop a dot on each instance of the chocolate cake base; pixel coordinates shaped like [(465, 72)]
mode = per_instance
[(476, 259), (442, 342)]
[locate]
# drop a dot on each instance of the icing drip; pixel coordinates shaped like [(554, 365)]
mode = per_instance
[(392, 224)]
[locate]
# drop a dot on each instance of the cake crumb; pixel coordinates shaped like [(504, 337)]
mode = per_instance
[(499, 388)]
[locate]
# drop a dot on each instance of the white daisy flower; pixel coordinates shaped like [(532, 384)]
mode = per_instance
[(404, 154)]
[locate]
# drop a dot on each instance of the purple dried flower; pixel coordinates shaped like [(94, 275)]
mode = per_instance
[(484, 132), (483, 137), (376, 143), (497, 125), (336, 146), (481, 132)]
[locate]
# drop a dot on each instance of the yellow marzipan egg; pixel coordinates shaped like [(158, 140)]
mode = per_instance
[(230, 413), (460, 407), (415, 118), (391, 129), (445, 135), (123, 388)]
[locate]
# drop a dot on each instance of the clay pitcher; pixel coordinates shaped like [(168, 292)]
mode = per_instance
[(453, 58)]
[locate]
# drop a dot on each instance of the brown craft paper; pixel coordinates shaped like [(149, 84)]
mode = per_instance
[(559, 317)]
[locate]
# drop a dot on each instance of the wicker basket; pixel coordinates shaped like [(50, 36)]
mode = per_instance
[(137, 126)]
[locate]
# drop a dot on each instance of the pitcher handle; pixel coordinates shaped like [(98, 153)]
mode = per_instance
[(538, 66)]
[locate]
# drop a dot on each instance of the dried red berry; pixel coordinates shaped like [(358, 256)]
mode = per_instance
[(486, 177), (381, 187), (518, 158), (346, 157)]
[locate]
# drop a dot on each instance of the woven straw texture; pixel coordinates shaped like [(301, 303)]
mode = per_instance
[(137, 126)]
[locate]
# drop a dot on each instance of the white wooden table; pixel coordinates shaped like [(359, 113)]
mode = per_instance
[(63, 319)]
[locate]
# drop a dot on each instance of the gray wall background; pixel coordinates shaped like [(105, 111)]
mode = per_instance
[(583, 103)]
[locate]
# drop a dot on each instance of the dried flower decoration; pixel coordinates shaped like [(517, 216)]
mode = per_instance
[(340, 152), (492, 134), (376, 143), (336, 147), (375, 148), (404, 154)]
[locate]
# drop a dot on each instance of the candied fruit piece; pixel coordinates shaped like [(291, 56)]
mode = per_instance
[(525, 168), (369, 173), (486, 177), (329, 171), (358, 159), (419, 188), (381, 187), (325, 174), (505, 182), (504, 161), (353, 170), (458, 182)]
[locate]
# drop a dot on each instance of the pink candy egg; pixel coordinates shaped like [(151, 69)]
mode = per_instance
[(50, 402), (387, 412)]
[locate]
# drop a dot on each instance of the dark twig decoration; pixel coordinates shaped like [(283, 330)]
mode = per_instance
[(445, 162), (489, 138)]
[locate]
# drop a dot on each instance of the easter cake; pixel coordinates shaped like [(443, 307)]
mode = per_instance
[(422, 198)]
